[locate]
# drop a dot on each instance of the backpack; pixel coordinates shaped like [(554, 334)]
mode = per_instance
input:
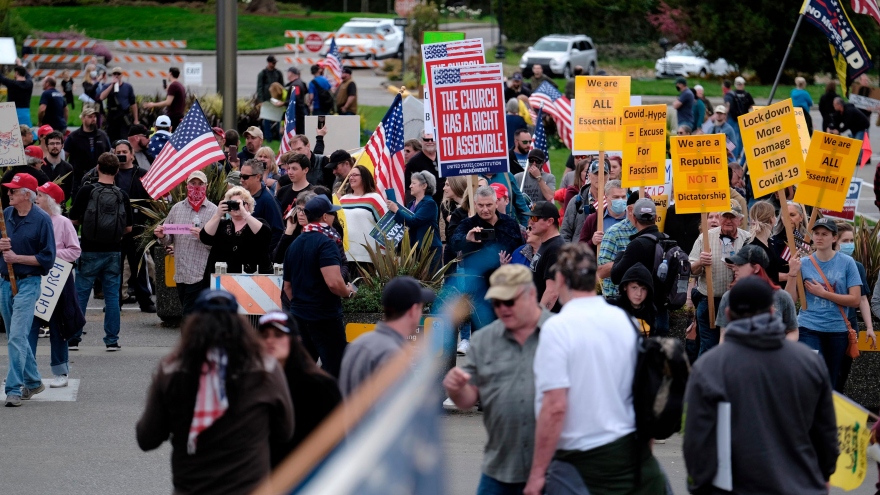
[(738, 105), (659, 384), (325, 99), (104, 219), (673, 285)]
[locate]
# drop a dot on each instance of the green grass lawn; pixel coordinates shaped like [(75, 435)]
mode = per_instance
[(196, 26)]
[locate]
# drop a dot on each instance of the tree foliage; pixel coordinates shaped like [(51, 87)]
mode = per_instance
[(753, 34), (612, 21)]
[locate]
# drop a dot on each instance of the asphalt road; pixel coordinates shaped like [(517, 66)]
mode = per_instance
[(87, 446)]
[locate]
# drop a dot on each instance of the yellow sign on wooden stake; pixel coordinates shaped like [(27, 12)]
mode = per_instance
[(771, 141), (699, 173), (644, 146), (598, 112), (830, 165)]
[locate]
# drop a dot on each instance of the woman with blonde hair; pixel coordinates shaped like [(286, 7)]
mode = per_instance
[(762, 215), (272, 111), (798, 217), (270, 168), (242, 240)]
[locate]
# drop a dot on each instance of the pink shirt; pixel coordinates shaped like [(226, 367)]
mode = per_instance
[(66, 243)]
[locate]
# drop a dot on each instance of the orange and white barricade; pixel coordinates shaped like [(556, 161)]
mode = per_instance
[(71, 44), (150, 44), (256, 294)]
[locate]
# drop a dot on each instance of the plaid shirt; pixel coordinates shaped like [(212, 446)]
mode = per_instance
[(721, 275), (190, 255), (614, 242)]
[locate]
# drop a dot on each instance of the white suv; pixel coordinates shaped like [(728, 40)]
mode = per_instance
[(560, 53), (391, 46)]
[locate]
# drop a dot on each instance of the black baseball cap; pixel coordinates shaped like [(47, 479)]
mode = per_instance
[(749, 254), (271, 59), (346, 70), (138, 130), (594, 167), (278, 320), (538, 154), (401, 293), (751, 295), (681, 80), (336, 158), (320, 205), (826, 223), (293, 70), (544, 209)]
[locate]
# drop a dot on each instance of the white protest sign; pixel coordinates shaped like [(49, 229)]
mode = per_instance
[(653, 191), (50, 289), (192, 73), (11, 148), (177, 228)]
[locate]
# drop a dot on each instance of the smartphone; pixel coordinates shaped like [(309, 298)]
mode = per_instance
[(233, 150), (487, 235), (390, 195), (232, 204), (321, 121), (164, 84)]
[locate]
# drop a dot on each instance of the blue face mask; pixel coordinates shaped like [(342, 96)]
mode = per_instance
[(618, 206), (847, 248)]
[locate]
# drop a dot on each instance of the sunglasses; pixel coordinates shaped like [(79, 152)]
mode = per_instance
[(525, 142), (496, 303), (247, 176), (428, 140), (535, 160)]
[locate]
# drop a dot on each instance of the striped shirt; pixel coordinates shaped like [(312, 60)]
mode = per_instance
[(722, 276), (362, 213), (190, 255), (614, 242)]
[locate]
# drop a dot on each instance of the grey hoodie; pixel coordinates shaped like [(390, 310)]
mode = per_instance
[(573, 220), (783, 429)]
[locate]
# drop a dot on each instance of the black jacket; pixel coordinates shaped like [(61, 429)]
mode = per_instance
[(783, 425), (646, 313), (640, 250), (19, 91), (63, 168), (137, 191), (852, 119)]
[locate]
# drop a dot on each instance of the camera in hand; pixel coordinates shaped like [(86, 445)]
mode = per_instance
[(121, 158), (232, 204), (487, 235)]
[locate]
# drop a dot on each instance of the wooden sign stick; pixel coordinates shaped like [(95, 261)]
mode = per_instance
[(472, 183), (813, 216), (792, 247), (12, 283), (707, 270), (600, 208), (641, 192)]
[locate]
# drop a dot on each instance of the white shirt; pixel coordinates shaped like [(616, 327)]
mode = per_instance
[(589, 348)]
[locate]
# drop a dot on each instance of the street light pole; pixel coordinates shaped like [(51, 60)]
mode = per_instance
[(227, 65)]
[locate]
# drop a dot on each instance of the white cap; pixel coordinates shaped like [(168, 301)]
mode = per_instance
[(738, 81), (698, 87), (163, 121)]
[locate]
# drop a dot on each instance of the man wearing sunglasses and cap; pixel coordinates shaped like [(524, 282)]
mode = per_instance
[(537, 184), (498, 371), (403, 301)]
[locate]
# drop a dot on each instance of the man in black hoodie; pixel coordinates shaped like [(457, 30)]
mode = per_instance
[(782, 422)]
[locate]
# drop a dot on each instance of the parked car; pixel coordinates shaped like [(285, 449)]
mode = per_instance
[(558, 54), (685, 60), (391, 46)]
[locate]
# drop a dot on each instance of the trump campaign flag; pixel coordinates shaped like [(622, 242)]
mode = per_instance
[(851, 58), (385, 149), (192, 147)]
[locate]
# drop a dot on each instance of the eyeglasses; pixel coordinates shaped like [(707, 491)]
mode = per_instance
[(354, 175), (247, 176)]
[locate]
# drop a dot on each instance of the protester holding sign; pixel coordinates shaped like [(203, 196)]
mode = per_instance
[(832, 283), (422, 215), (363, 208)]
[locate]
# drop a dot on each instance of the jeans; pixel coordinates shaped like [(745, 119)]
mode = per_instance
[(324, 339), (831, 346), (464, 330), (140, 282), (709, 337), (107, 266), (188, 293), (18, 315), (270, 129), (491, 486), (59, 355)]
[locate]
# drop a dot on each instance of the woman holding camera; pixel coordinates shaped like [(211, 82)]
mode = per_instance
[(423, 214), (242, 240)]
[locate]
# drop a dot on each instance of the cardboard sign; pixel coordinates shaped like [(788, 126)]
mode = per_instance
[(50, 289), (699, 173), (666, 188), (470, 123), (770, 138), (662, 203), (598, 112), (829, 170), (803, 131), (455, 52), (11, 147), (864, 97), (850, 205), (388, 228), (644, 146), (177, 228)]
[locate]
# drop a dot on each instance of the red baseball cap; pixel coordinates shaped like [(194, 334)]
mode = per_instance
[(26, 181), (500, 190), (43, 130), (34, 152), (52, 190)]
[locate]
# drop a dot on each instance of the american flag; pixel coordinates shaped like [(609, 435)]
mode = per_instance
[(539, 141), (868, 7), (192, 147), (489, 73), (799, 242), (289, 126), (333, 64), (385, 149), (557, 106), (453, 49)]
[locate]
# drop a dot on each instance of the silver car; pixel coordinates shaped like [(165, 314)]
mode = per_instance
[(559, 54)]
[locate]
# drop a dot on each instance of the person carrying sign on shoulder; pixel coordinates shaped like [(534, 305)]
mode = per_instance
[(30, 252)]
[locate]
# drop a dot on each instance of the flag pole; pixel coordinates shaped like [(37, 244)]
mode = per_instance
[(787, 52)]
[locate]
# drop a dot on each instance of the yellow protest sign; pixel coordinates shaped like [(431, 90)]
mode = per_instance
[(598, 112), (803, 131), (770, 138), (699, 173), (830, 165), (852, 438), (644, 146), (662, 204)]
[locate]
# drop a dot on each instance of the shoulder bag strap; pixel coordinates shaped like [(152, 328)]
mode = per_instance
[(829, 289)]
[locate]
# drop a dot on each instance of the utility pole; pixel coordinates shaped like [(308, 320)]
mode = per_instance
[(227, 60)]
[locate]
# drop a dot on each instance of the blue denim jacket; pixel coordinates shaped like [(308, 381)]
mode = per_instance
[(31, 235)]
